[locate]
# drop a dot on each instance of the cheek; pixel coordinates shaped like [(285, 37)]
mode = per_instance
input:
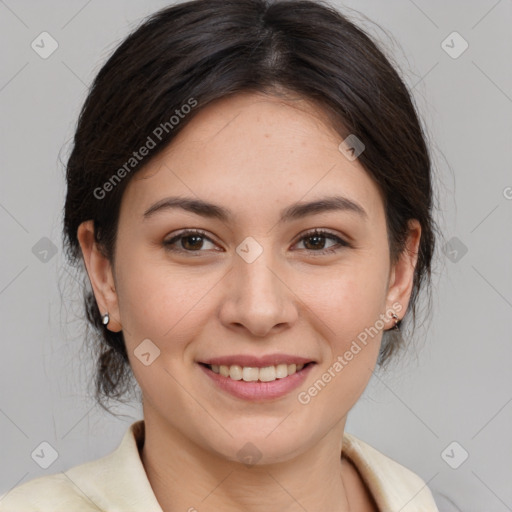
[(160, 301), (346, 310), (347, 298), (160, 304)]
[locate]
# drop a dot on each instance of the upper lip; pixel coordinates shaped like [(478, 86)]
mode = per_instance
[(255, 361)]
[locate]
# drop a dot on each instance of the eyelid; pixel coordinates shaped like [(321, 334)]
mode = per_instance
[(323, 232), (188, 232), (339, 239)]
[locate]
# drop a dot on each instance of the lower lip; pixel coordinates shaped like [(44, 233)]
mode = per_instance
[(259, 391)]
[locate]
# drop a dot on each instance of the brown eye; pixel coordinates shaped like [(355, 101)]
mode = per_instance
[(187, 241), (192, 242), (315, 242)]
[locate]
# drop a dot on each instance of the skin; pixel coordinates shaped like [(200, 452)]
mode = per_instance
[(255, 155)]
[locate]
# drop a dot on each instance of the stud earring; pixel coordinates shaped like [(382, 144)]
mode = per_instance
[(106, 319), (395, 318)]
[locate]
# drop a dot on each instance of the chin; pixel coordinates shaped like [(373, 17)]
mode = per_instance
[(257, 447)]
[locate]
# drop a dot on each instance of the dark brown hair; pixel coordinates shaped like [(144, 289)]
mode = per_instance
[(203, 50)]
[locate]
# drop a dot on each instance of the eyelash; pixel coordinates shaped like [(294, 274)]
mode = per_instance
[(316, 232)]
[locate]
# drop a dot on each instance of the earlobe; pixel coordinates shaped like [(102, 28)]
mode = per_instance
[(402, 274), (100, 275)]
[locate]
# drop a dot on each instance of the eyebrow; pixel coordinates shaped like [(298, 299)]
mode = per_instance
[(293, 212)]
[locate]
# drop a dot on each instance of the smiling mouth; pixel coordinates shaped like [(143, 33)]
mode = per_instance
[(254, 374)]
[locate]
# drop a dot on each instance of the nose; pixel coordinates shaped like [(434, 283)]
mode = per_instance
[(258, 299)]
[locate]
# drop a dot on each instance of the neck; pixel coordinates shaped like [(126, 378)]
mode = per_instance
[(186, 477)]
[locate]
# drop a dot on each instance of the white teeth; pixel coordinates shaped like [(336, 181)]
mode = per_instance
[(235, 372), (281, 371), (250, 374), (253, 374), (267, 374)]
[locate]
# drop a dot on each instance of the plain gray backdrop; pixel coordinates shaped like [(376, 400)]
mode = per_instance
[(444, 409)]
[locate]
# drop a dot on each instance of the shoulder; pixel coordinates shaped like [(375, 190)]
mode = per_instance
[(116, 481), (81, 488), (392, 485), (87, 487), (53, 493)]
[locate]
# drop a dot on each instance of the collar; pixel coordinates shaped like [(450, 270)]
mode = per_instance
[(392, 486)]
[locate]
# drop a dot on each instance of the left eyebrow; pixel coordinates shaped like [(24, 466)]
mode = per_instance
[(325, 204), (293, 212)]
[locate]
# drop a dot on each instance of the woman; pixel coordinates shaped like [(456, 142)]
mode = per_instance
[(250, 193)]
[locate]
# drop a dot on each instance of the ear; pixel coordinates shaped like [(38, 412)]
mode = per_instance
[(100, 274), (401, 277)]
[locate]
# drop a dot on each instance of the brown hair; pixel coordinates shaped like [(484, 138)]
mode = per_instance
[(208, 49)]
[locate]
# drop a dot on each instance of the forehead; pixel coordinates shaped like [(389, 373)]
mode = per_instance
[(255, 152)]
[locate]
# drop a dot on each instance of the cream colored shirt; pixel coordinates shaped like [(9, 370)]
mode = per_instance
[(118, 483)]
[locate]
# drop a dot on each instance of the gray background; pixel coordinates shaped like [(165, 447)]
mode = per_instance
[(453, 384)]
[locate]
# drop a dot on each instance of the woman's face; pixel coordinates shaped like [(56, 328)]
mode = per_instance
[(257, 282)]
